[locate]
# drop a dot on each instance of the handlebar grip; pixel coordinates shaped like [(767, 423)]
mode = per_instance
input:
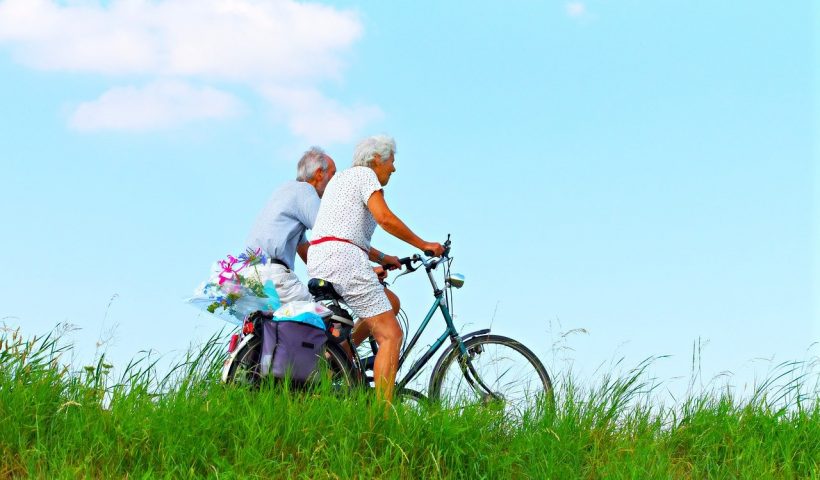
[(429, 253)]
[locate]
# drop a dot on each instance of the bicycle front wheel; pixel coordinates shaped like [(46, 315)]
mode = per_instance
[(496, 370)]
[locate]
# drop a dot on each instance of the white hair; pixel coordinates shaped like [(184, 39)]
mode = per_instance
[(310, 161), (367, 149)]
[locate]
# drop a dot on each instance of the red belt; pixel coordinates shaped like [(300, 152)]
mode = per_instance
[(335, 239)]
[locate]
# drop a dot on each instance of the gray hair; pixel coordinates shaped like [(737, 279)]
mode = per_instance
[(367, 149), (310, 161)]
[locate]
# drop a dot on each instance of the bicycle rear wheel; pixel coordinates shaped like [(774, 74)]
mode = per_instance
[(332, 369), (496, 370), (245, 366)]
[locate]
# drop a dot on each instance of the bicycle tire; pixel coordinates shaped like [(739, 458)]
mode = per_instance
[(337, 362), (245, 365), (512, 371), (245, 369), (413, 398)]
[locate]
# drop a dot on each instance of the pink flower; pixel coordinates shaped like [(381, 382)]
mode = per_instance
[(228, 272)]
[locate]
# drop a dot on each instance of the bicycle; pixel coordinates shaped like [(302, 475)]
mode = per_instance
[(474, 368)]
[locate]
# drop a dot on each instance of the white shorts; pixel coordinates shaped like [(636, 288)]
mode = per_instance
[(287, 284), (346, 266)]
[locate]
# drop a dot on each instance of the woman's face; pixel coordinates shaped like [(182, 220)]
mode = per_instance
[(384, 168)]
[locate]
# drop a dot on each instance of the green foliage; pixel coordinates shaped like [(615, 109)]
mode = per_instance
[(55, 423), (226, 301), (256, 286)]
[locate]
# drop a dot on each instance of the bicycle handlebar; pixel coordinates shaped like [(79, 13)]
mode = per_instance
[(430, 262), (408, 262)]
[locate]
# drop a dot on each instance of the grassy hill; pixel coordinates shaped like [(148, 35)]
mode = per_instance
[(55, 423)]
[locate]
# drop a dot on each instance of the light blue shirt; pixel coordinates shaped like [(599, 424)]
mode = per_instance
[(281, 225)]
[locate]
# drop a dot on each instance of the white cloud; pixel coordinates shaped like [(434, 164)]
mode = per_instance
[(318, 119), (250, 43), (576, 9), (248, 40), (160, 105)]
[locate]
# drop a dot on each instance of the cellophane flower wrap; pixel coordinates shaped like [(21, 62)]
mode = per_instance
[(235, 288)]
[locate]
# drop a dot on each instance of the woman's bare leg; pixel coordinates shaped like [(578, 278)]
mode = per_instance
[(362, 328), (394, 300), (385, 329)]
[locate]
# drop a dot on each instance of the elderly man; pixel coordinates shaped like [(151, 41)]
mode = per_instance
[(341, 252), (280, 227)]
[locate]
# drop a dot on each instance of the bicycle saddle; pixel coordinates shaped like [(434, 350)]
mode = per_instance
[(322, 290)]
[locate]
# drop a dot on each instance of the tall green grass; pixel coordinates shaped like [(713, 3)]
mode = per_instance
[(59, 423)]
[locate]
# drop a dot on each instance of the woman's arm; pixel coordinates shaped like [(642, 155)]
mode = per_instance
[(394, 226), (388, 261)]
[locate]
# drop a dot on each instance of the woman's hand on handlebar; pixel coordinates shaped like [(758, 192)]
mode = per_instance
[(433, 249), (391, 262)]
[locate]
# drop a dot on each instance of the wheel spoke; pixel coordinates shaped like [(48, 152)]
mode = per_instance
[(504, 373)]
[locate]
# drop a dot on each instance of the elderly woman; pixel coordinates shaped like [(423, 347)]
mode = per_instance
[(352, 205)]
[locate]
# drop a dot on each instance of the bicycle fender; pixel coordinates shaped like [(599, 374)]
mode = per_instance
[(450, 347), (226, 366)]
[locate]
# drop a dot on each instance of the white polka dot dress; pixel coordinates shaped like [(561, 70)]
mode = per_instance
[(343, 213)]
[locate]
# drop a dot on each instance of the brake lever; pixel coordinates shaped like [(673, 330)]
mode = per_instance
[(402, 274), (407, 262)]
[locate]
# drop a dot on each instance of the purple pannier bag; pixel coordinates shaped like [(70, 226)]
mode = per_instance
[(291, 348)]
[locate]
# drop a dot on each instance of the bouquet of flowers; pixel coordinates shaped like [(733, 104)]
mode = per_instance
[(235, 288)]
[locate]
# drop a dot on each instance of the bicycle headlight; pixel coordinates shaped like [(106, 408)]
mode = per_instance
[(455, 280)]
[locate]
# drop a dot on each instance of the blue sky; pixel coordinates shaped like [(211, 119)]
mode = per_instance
[(646, 171)]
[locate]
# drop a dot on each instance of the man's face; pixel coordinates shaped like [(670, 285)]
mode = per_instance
[(325, 176), (384, 168)]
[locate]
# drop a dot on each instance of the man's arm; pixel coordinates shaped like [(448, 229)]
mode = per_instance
[(308, 207), (307, 211), (302, 249)]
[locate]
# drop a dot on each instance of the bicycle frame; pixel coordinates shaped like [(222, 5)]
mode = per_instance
[(456, 340), (451, 332)]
